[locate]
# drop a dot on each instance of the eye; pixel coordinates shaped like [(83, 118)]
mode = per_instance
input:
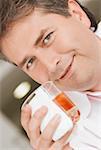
[(30, 62), (47, 39)]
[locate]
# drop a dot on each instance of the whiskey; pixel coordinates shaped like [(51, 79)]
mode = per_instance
[(67, 106), (57, 102)]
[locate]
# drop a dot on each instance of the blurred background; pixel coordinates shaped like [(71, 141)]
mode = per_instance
[(12, 136)]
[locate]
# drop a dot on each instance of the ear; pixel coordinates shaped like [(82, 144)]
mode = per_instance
[(76, 11)]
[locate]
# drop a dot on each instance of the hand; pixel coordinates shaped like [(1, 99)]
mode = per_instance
[(42, 141)]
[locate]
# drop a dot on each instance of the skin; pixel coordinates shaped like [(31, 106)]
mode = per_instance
[(48, 59)]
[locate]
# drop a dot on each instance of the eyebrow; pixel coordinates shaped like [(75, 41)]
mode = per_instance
[(23, 62), (40, 36)]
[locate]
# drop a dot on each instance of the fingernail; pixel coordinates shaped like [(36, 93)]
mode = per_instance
[(44, 108), (25, 107)]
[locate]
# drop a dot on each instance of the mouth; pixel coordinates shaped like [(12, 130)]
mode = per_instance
[(67, 73)]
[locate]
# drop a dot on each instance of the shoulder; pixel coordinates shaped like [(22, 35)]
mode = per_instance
[(98, 31)]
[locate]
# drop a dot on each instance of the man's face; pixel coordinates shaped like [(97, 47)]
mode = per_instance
[(53, 47)]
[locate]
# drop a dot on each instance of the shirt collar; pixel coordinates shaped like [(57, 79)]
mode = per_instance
[(96, 93)]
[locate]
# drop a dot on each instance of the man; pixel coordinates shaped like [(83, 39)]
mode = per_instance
[(53, 40)]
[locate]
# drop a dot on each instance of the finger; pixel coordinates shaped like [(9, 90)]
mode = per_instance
[(64, 138), (25, 117), (59, 144), (34, 124), (46, 136), (67, 147)]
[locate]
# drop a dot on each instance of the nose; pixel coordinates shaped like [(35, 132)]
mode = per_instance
[(49, 60)]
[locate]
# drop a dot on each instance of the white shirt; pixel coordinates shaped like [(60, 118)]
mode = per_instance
[(87, 134), (98, 32)]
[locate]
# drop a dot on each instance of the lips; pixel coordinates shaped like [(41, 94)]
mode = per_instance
[(67, 71)]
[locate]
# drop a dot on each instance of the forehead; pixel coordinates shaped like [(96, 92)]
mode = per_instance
[(23, 30), (35, 21), (23, 34)]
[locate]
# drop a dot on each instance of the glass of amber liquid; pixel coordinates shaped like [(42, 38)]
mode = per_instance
[(57, 102), (63, 101)]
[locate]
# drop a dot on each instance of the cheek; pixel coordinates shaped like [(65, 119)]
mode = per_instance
[(66, 41), (84, 70), (75, 39), (64, 45), (39, 74), (84, 75)]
